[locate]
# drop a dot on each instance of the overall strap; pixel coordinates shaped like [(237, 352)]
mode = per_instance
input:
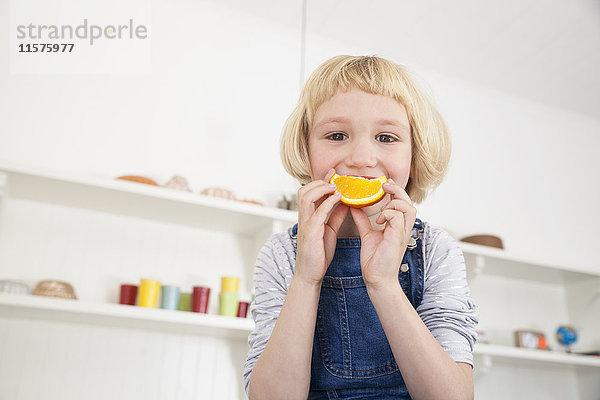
[(411, 273)]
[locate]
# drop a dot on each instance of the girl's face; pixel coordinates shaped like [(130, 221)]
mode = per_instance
[(361, 134)]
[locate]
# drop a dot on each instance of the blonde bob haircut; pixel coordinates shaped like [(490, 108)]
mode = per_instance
[(430, 139)]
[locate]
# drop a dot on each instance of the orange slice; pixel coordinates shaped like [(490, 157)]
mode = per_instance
[(357, 191)]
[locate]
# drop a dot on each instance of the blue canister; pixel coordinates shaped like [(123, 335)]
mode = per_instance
[(169, 299)]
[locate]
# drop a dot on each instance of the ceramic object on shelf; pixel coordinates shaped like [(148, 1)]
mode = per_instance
[(218, 192), (59, 289), (484, 240), (185, 302), (228, 298), (149, 291), (128, 294), (13, 287), (169, 297), (243, 309), (230, 284), (200, 298), (138, 179), (530, 339), (228, 304), (178, 182)]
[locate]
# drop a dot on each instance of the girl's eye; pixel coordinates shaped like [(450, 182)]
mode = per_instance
[(385, 138), (336, 136)]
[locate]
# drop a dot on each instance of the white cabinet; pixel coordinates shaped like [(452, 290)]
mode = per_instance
[(97, 233)]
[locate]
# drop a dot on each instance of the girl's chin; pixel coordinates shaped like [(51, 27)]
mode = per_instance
[(373, 211)]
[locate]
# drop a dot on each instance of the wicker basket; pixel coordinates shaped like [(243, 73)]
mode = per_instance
[(60, 289)]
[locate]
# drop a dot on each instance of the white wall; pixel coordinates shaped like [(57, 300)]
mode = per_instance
[(521, 170)]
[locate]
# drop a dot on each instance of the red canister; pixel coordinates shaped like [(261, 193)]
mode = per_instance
[(243, 309), (128, 294), (200, 296)]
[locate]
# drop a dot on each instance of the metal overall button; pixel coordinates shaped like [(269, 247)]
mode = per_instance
[(412, 243), (404, 268)]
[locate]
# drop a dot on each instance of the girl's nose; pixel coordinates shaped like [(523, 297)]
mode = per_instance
[(362, 154)]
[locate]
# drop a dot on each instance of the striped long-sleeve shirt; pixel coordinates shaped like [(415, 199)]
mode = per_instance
[(446, 309)]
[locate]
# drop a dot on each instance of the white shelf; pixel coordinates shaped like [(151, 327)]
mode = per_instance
[(493, 261), (106, 314), (139, 200), (123, 316), (532, 355)]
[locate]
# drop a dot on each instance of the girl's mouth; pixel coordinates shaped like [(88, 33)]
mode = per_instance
[(364, 176)]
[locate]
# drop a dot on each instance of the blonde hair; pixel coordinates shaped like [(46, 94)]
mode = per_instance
[(431, 145)]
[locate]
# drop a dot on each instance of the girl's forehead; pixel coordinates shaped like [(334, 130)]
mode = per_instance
[(359, 101), (340, 91)]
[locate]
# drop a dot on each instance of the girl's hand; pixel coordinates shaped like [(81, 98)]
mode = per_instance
[(382, 250), (317, 236)]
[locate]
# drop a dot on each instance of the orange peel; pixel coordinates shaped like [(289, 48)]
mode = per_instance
[(357, 191)]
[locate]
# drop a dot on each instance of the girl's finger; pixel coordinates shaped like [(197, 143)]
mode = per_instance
[(337, 217), (308, 198), (398, 204), (309, 186), (321, 213), (408, 211), (317, 182), (395, 229), (396, 191), (329, 175), (361, 220), (389, 215)]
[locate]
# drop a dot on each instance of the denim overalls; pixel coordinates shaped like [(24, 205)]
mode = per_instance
[(351, 357)]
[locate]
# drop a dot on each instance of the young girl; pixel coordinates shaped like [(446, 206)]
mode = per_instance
[(372, 302)]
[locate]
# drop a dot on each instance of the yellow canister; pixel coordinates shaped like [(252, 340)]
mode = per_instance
[(229, 284), (148, 293)]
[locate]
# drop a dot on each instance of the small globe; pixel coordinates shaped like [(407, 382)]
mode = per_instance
[(566, 335)]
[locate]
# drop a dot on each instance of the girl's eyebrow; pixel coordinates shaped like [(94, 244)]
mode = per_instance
[(379, 122), (333, 120), (393, 122)]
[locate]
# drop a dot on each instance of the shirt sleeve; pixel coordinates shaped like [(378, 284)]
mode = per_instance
[(272, 277), (447, 308)]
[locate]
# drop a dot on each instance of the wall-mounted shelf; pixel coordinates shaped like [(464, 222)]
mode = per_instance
[(122, 316), (116, 315), (532, 355), (492, 261), (139, 200)]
